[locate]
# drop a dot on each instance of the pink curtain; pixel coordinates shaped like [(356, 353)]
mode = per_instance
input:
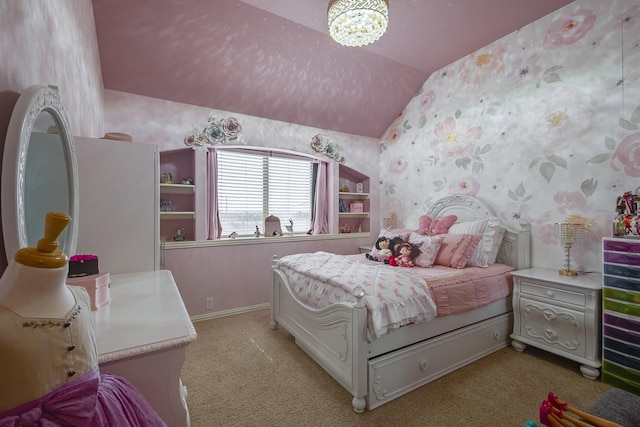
[(321, 201), (214, 227)]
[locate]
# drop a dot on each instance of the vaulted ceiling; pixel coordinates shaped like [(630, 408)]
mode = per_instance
[(274, 58)]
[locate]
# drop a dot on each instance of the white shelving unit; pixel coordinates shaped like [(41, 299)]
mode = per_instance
[(177, 189), (177, 215)]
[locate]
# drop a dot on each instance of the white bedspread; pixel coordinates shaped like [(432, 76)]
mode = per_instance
[(393, 299)]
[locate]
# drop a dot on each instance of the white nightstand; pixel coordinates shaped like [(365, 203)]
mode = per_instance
[(560, 314)]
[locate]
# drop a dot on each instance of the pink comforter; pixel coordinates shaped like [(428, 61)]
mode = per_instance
[(393, 299), (395, 296)]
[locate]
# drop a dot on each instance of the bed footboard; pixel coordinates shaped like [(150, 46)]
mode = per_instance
[(335, 337)]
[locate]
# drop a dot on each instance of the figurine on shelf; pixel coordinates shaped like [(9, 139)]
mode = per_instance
[(290, 226), (179, 237), (257, 233), (187, 181), (166, 178), (233, 235)]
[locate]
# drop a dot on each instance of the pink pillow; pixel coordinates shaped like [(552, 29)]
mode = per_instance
[(456, 249), (429, 247), (430, 226)]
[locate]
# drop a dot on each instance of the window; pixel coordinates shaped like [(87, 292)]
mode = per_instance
[(253, 185)]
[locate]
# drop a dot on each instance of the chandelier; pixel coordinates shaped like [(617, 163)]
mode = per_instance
[(357, 22)]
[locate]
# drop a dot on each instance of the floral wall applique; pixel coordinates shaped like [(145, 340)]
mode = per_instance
[(215, 132), (541, 124), (323, 145)]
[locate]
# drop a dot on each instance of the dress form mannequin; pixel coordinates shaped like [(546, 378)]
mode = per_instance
[(34, 283), (35, 306), (49, 373)]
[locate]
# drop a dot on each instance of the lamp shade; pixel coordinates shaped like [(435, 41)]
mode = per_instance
[(357, 22)]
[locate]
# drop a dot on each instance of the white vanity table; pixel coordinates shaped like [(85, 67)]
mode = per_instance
[(142, 336), (143, 332)]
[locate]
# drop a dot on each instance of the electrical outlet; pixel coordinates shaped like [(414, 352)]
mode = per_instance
[(209, 303)]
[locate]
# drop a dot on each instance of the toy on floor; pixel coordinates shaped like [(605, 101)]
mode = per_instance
[(555, 413)]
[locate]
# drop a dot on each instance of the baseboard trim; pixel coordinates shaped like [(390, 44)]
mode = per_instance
[(231, 312)]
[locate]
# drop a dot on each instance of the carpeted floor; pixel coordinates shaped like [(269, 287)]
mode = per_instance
[(239, 372)]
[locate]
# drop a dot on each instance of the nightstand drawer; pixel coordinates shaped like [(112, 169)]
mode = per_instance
[(554, 327), (553, 294)]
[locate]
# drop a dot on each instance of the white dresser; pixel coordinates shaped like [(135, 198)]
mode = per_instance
[(560, 314), (142, 335)]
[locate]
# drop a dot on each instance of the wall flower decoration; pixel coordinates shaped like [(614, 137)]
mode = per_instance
[(568, 30), (323, 145), (627, 156), (216, 132)]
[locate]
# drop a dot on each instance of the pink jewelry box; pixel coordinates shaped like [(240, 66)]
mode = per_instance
[(97, 285), (356, 207)]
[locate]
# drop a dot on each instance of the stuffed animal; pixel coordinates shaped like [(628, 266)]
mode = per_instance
[(406, 252), (384, 252), (386, 249)]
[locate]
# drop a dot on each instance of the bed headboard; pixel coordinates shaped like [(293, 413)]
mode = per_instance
[(516, 245)]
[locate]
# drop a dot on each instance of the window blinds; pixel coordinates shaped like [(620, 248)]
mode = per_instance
[(252, 186)]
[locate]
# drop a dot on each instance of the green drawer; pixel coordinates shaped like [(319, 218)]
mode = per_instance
[(621, 295), (627, 308), (623, 378)]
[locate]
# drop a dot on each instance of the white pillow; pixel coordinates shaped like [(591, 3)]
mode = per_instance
[(429, 247), (492, 232), (469, 227)]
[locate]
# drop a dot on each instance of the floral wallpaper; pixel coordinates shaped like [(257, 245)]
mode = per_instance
[(541, 125)]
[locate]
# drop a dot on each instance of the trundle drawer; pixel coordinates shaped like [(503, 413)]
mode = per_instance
[(400, 372), (555, 294)]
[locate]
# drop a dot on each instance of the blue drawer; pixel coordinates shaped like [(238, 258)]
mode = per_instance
[(620, 359), (622, 270)]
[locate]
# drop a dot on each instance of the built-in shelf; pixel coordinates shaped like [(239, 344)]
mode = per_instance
[(177, 188), (353, 196), (354, 214), (177, 215)]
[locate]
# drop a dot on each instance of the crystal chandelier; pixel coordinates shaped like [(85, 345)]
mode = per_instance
[(357, 22)]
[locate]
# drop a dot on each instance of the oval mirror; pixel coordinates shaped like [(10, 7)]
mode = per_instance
[(39, 171)]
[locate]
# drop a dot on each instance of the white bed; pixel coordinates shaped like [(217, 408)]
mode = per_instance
[(380, 370)]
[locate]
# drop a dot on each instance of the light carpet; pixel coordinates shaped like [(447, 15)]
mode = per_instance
[(240, 372)]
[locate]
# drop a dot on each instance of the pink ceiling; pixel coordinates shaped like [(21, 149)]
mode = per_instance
[(274, 59)]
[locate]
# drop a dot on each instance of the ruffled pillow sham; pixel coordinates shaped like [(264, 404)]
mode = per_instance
[(456, 249), (492, 232)]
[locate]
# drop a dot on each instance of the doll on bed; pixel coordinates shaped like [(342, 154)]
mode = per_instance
[(405, 253), (385, 247)]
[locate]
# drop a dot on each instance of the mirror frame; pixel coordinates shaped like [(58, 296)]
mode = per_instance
[(33, 101)]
